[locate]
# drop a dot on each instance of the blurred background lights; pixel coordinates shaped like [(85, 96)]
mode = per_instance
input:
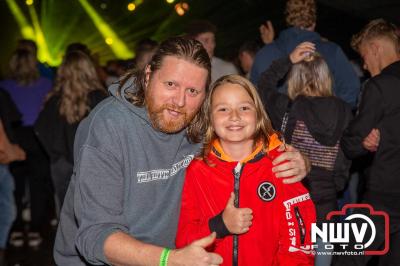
[(29, 2), (103, 5), (109, 41), (181, 8), (170, 1), (131, 7)]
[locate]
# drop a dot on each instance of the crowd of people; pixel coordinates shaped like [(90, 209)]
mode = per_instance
[(178, 157)]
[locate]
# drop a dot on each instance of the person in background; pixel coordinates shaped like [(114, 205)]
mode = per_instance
[(44, 69), (28, 90), (247, 52), (9, 152), (144, 51), (375, 129), (115, 70), (301, 17), (77, 90), (311, 119), (230, 188), (204, 32)]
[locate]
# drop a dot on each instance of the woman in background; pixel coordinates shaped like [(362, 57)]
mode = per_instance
[(77, 90)]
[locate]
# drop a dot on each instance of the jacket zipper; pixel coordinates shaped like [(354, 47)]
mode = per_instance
[(300, 222), (237, 172)]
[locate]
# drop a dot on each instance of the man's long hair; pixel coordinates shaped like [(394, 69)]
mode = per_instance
[(179, 47)]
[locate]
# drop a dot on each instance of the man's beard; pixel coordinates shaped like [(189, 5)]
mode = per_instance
[(156, 114)]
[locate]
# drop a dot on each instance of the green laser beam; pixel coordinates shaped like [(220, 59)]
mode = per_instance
[(43, 51), (26, 29), (115, 43)]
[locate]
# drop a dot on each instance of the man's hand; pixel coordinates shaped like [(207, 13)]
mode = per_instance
[(296, 167), (236, 220), (301, 51), (267, 32), (195, 254), (371, 142)]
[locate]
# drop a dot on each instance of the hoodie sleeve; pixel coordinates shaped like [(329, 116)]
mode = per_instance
[(369, 113), (99, 192)]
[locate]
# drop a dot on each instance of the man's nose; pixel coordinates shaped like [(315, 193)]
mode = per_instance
[(180, 97)]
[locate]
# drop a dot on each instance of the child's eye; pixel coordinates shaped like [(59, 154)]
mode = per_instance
[(222, 109), (245, 108)]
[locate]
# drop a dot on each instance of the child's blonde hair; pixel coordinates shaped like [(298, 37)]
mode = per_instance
[(310, 77), (263, 127)]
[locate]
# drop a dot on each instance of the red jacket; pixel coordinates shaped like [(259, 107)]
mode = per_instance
[(283, 213)]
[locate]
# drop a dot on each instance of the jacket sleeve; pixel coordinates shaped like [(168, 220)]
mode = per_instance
[(369, 113), (263, 60), (192, 223), (99, 191), (342, 165), (297, 214), (346, 81), (274, 101)]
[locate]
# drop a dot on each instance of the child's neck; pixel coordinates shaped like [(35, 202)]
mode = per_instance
[(237, 151)]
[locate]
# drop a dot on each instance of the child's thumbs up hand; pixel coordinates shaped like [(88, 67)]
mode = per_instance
[(236, 220)]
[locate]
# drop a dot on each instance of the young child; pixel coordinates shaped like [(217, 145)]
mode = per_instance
[(230, 188)]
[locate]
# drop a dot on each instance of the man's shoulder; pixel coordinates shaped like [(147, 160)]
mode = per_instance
[(383, 80), (110, 108), (109, 114), (267, 50)]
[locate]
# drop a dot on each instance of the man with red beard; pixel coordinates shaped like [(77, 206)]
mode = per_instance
[(131, 152)]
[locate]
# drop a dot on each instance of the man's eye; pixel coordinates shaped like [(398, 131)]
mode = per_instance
[(193, 91), (169, 83)]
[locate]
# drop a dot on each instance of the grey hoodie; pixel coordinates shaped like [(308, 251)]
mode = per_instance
[(127, 177)]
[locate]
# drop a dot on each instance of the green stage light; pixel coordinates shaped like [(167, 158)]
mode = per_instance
[(111, 38), (27, 31), (43, 51)]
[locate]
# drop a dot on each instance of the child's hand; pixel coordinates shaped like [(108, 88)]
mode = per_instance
[(236, 220)]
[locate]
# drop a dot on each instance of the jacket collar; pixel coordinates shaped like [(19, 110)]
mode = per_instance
[(256, 155)]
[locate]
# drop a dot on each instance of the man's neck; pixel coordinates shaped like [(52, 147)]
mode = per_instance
[(388, 59)]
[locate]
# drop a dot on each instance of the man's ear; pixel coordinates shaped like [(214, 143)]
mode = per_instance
[(147, 71), (375, 47)]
